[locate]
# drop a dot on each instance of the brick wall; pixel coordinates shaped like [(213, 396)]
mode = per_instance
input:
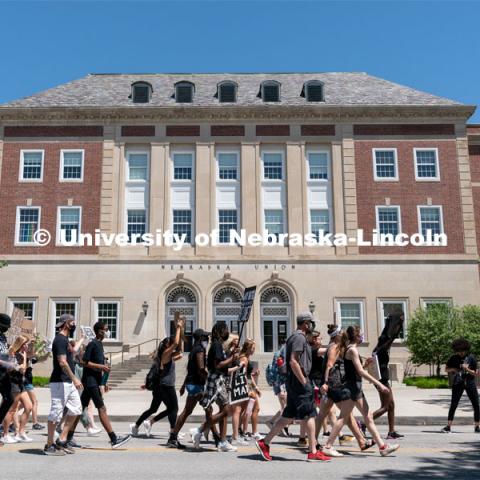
[(408, 193), (49, 194)]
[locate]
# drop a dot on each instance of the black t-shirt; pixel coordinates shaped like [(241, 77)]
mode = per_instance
[(216, 354), (61, 346), (456, 361), (3, 354), (316, 373), (193, 375), (93, 353)]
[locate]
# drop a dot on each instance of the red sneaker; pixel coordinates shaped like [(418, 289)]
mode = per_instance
[(318, 457), (264, 450)]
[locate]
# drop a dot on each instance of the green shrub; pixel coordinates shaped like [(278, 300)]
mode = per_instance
[(41, 381), (426, 382)]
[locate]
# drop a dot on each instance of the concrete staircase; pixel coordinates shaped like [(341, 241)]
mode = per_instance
[(131, 375)]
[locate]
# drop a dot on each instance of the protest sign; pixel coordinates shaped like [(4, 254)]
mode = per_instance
[(239, 386), (88, 332), (247, 304)]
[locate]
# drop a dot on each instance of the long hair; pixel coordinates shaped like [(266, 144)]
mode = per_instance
[(332, 327), (247, 347), (348, 337), (18, 343), (219, 330)]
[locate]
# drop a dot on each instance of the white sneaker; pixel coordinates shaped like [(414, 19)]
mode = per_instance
[(56, 436), (93, 432), (134, 429), (9, 439), (148, 427), (239, 441), (22, 438), (331, 452), (226, 447), (257, 436), (181, 435), (388, 449), (196, 435)]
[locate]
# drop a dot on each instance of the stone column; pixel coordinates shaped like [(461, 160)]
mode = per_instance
[(295, 187), (203, 221), (338, 193), (157, 193)]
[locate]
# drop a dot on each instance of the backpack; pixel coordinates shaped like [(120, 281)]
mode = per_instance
[(273, 374), (153, 376)]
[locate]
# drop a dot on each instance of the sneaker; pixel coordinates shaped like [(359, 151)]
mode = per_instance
[(73, 444), (226, 447), (302, 443), (318, 457), (257, 436), (239, 441), (37, 426), (8, 439), (342, 439), (56, 436), (119, 441), (331, 452), (174, 443), (477, 429), (368, 444), (23, 438), (196, 435), (245, 438), (394, 435), (93, 432), (388, 449), (446, 429), (54, 451), (134, 430), (65, 447), (148, 427), (326, 434), (264, 450), (182, 435)]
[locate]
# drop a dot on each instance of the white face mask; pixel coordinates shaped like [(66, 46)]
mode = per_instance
[(205, 344), (108, 334)]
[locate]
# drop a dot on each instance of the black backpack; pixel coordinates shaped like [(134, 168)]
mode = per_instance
[(153, 376)]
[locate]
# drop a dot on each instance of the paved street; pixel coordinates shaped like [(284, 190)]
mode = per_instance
[(424, 454)]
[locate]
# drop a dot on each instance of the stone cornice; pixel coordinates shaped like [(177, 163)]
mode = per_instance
[(11, 115)]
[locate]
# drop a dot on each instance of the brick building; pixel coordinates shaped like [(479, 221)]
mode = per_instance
[(193, 153)]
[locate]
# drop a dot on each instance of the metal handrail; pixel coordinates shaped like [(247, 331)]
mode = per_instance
[(127, 348)]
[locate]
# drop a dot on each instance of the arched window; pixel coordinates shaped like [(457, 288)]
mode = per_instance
[(313, 91), (141, 92), (182, 299), (270, 91), (184, 92), (227, 304), (275, 312), (227, 92)]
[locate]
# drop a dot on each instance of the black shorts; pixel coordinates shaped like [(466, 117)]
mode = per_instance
[(94, 394), (348, 391), (300, 402)]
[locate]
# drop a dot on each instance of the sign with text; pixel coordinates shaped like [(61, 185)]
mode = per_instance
[(19, 326), (239, 387), (247, 304)]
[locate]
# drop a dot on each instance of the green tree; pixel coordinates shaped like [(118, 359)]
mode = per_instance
[(430, 333), (470, 326), (3, 263)]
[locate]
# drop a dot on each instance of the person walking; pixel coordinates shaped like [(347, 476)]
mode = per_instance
[(462, 366)]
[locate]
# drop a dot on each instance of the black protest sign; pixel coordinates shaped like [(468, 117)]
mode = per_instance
[(247, 304), (239, 386)]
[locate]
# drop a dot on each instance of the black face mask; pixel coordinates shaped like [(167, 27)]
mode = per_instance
[(3, 329), (72, 328), (225, 336)]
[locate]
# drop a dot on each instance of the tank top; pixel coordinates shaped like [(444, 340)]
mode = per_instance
[(351, 374), (168, 374)]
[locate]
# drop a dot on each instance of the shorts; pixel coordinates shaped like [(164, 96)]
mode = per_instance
[(193, 390), (300, 402), (64, 395), (348, 391), (92, 393), (28, 387), (278, 389), (17, 388)]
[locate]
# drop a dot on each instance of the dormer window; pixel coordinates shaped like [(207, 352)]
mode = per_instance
[(141, 92), (227, 92), (184, 92), (270, 91), (313, 91)]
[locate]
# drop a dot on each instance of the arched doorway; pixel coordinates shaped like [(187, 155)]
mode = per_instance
[(182, 299), (275, 311), (227, 304)]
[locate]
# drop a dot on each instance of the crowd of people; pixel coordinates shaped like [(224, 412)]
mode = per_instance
[(319, 388)]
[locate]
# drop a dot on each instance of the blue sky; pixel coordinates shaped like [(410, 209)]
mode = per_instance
[(431, 45)]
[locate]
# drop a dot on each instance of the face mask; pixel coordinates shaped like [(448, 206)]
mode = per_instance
[(205, 344), (108, 334), (72, 328), (225, 336)]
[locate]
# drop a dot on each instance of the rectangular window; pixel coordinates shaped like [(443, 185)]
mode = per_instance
[(31, 165), (388, 307), (182, 224), (426, 164), (427, 303), (227, 220), (68, 222), (318, 166), (71, 165), (227, 166), (430, 218), (182, 166), (136, 224), (274, 222), (350, 313), (319, 221), (63, 307), (28, 222), (28, 308), (385, 164), (108, 313), (388, 220), (272, 166), (138, 166)]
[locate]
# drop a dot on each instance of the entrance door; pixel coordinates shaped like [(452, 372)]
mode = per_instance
[(182, 300), (275, 313), (227, 304)]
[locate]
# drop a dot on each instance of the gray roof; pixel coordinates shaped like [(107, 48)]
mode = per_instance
[(113, 90)]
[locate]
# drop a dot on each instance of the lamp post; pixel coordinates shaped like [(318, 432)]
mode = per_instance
[(145, 307), (311, 306)]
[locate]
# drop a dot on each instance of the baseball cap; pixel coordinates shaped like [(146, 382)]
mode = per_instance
[(5, 320), (199, 333), (304, 317), (64, 319)]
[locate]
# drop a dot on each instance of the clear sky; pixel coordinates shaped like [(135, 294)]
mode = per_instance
[(431, 45)]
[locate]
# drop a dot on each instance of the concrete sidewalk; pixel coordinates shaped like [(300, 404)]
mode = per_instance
[(413, 406)]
